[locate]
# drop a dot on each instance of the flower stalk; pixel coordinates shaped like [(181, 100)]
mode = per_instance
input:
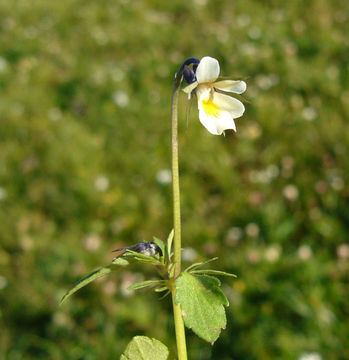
[(175, 178), (179, 324)]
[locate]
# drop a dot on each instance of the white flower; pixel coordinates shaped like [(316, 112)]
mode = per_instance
[(217, 111), (310, 356)]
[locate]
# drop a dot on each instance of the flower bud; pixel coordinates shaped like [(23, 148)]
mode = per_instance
[(188, 74)]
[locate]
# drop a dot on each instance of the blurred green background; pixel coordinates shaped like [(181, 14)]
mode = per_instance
[(85, 91)]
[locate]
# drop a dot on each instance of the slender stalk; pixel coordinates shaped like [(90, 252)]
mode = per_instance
[(179, 324), (175, 183), (180, 331), (175, 173), (177, 312)]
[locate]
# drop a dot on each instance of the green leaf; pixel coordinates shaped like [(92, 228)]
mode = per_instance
[(144, 348), (212, 272), (171, 269), (143, 284), (128, 257), (160, 244), (168, 292), (119, 261), (169, 244), (136, 257), (93, 276), (202, 303), (198, 264), (161, 289)]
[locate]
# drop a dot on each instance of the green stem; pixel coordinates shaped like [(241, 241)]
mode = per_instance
[(175, 184), (179, 324)]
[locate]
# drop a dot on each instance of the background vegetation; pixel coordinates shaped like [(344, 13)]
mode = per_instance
[(85, 91)]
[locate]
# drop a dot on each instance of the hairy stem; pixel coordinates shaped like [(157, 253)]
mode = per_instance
[(177, 312), (175, 184), (179, 325)]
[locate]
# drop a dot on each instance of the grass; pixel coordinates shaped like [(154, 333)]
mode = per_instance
[(85, 130)]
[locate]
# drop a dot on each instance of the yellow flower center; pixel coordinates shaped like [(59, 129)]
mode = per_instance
[(210, 108)]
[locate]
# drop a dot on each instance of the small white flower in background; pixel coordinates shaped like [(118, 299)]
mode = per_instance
[(254, 32), (309, 113), (102, 183), (305, 252), (121, 99), (3, 64), (217, 111), (343, 251), (310, 356), (337, 183), (290, 192), (61, 319), (26, 242), (234, 235), (127, 279), (189, 254), (252, 230), (3, 193), (243, 20), (92, 242), (272, 253), (3, 282), (164, 176)]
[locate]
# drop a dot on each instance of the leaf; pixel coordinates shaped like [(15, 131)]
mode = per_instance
[(144, 348), (212, 272), (161, 289), (93, 276), (128, 257), (198, 264), (166, 293), (171, 269), (202, 303), (136, 257), (143, 284), (169, 243), (160, 244)]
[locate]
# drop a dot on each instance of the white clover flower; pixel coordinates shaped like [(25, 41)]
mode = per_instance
[(102, 183), (310, 356), (217, 111), (164, 176)]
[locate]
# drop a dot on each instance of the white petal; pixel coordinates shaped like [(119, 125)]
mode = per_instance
[(188, 89), (234, 86), (203, 92), (227, 103), (216, 125), (208, 70), (225, 122)]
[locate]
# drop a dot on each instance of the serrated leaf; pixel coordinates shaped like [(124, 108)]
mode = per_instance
[(202, 303), (169, 244), (198, 264), (143, 284), (93, 276), (144, 348), (212, 272)]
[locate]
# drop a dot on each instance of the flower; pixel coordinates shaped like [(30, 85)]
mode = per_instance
[(217, 110)]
